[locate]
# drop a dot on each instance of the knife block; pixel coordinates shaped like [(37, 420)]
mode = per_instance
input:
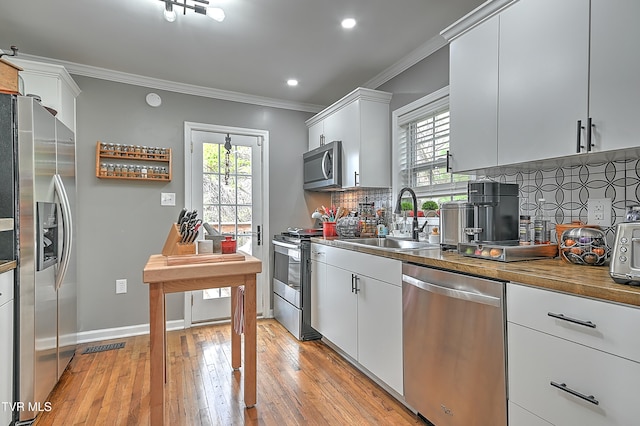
[(173, 246)]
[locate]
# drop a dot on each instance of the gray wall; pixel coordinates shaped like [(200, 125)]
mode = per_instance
[(121, 223), (427, 76)]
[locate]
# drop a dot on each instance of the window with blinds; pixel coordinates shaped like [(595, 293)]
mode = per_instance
[(423, 143)]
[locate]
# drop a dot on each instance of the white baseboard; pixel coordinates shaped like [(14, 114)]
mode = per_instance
[(121, 332), (140, 329)]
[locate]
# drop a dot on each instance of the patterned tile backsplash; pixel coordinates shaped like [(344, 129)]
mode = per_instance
[(565, 190), (352, 199)]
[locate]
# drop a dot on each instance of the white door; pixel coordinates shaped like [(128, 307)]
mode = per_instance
[(226, 187)]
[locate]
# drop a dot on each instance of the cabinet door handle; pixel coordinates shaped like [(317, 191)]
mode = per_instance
[(564, 387), (355, 179), (578, 131), (448, 164), (353, 281), (590, 126), (355, 288), (573, 320)]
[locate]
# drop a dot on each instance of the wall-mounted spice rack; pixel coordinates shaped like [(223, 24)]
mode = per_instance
[(133, 162)]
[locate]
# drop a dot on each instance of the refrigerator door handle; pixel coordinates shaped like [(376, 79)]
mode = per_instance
[(66, 235)]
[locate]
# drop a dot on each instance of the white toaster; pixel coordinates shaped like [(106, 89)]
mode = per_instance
[(625, 259)]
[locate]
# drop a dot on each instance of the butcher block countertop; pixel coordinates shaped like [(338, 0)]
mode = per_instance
[(7, 265), (552, 274)]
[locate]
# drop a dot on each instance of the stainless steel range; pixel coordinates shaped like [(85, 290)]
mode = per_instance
[(292, 281)]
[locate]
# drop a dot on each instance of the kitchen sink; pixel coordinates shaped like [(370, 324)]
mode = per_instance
[(392, 243)]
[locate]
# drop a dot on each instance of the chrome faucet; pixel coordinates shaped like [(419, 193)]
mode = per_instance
[(414, 227)]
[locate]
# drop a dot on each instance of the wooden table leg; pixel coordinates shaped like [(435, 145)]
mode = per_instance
[(157, 354), (250, 341), (236, 355)]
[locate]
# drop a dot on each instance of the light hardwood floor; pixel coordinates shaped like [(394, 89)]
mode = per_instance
[(303, 383)]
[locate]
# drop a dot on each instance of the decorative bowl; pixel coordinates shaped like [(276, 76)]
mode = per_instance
[(584, 246)]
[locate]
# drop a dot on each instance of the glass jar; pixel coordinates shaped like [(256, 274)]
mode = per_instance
[(103, 169), (525, 230)]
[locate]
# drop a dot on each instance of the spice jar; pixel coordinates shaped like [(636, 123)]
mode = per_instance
[(525, 230)]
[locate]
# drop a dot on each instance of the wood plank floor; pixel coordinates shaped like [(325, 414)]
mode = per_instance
[(302, 383)]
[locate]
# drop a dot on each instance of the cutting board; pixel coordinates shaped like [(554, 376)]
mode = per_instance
[(193, 259)]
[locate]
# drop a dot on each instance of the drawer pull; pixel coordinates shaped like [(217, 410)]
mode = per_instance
[(563, 387), (573, 320)]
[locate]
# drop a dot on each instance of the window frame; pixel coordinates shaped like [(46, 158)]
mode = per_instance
[(400, 118)]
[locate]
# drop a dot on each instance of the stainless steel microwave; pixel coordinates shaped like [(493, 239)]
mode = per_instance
[(323, 167)]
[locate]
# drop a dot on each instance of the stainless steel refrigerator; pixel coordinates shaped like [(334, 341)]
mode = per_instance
[(42, 157)]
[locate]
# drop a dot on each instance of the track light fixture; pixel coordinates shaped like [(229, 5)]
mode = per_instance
[(214, 13)]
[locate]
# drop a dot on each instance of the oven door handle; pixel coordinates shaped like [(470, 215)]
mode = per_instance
[(285, 245)]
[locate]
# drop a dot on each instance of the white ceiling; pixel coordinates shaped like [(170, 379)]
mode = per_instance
[(259, 45)]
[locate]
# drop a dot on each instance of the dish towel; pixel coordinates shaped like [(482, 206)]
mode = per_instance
[(238, 319)]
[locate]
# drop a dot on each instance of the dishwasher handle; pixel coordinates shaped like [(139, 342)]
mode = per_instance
[(451, 292)]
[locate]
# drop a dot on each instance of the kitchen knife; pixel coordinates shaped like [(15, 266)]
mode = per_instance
[(181, 215), (183, 231)]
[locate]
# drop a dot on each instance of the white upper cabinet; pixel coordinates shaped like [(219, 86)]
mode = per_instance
[(473, 98), (316, 135), (568, 80), (361, 121), (54, 85), (544, 65), (614, 91)]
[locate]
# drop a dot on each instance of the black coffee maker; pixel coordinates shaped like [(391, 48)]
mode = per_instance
[(495, 212)]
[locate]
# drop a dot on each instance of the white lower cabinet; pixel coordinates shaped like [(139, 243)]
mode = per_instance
[(341, 326), (6, 346), (380, 330), (518, 416), (356, 308), (567, 363)]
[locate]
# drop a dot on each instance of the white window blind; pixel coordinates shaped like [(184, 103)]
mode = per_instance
[(423, 142)]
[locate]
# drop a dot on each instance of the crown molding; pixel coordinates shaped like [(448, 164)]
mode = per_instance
[(47, 69), (356, 94), (426, 49), (473, 18), (172, 86)]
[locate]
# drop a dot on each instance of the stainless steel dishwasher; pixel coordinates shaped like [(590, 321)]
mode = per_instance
[(453, 334)]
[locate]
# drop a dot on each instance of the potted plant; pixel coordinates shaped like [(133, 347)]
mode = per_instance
[(408, 207), (430, 208)]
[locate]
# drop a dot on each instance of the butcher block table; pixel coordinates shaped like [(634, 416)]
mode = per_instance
[(173, 274)]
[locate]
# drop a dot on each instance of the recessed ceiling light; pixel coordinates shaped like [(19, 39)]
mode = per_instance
[(292, 82), (348, 23)]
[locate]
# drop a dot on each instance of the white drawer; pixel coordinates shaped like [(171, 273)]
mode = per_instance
[(536, 359), (6, 287), (518, 416), (378, 267), (615, 325), (319, 252)]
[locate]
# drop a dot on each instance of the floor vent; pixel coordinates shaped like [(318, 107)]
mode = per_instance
[(102, 348)]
